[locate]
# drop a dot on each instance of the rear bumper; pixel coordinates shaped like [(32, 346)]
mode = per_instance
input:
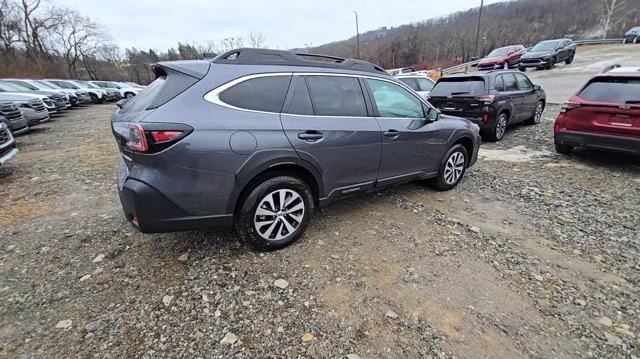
[(151, 212), (598, 141)]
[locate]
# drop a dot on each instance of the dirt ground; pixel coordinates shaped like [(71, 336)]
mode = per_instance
[(534, 255)]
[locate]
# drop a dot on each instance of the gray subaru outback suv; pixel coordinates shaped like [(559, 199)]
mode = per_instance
[(260, 138)]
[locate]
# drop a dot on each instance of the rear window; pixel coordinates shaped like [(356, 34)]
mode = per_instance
[(259, 94), (471, 86), (616, 90), (145, 99)]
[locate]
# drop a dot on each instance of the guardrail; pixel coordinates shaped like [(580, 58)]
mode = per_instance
[(598, 42), (577, 42)]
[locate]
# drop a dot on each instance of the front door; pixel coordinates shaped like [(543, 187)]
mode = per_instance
[(530, 99), (513, 94), (411, 143), (326, 120)]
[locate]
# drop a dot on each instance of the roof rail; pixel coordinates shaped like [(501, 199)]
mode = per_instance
[(611, 67), (251, 56)]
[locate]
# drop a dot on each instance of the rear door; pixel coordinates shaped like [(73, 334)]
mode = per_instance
[(457, 96), (608, 105), (513, 94), (327, 121), (411, 142), (530, 98)]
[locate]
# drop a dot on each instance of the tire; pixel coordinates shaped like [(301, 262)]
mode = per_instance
[(551, 63), (497, 131), (569, 60), (270, 232), (538, 115), (523, 69), (451, 171), (635, 40), (94, 98), (563, 149)]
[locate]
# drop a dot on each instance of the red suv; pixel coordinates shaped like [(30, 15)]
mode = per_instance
[(502, 58), (604, 114)]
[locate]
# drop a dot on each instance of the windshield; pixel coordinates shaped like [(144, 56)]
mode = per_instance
[(81, 85), (49, 85), (471, 86), (25, 85), (499, 52), (545, 46), (9, 87), (92, 85), (46, 85)]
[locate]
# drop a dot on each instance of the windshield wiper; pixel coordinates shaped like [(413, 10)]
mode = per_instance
[(459, 93), (633, 101)]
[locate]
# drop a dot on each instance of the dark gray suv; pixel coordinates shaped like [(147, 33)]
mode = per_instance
[(260, 138)]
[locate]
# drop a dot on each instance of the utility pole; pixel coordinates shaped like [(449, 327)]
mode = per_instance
[(478, 29), (357, 36), (308, 46)]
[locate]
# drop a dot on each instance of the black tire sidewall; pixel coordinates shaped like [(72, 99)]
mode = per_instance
[(245, 215)]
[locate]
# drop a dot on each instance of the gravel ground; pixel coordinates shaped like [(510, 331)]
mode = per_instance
[(533, 255)]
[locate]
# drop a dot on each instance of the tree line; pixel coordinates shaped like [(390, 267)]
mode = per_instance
[(451, 39), (41, 39)]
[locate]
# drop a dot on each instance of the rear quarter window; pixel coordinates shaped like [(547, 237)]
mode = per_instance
[(463, 87), (615, 90), (259, 94)]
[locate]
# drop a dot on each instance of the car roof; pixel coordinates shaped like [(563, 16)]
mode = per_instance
[(482, 73)]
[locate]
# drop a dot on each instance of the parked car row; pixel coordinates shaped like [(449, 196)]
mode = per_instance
[(544, 55), (25, 103)]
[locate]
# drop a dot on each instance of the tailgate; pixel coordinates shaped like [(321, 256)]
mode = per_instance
[(458, 105)]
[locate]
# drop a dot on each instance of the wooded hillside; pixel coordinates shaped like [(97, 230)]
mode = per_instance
[(451, 39)]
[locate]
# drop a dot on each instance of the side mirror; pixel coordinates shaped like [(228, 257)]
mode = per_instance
[(430, 114), (536, 87), (121, 103), (475, 58)]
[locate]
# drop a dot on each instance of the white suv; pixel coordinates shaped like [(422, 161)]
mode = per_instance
[(127, 91)]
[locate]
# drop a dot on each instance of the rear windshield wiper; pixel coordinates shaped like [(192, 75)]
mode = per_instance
[(459, 93)]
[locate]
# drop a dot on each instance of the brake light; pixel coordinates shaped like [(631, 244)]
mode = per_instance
[(559, 125), (162, 136), (485, 98), (485, 118), (570, 105), (149, 137)]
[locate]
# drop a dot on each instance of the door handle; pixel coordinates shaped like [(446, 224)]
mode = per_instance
[(391, 133), (310, 136)]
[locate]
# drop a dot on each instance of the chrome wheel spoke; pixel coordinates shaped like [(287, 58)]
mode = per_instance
[(279, 214)]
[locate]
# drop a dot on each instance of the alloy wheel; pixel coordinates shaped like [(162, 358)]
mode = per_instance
[(279, 214), (501, 126), (454, 168), (539, 111)]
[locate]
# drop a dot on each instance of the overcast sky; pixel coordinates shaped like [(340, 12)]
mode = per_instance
[(160, 24)]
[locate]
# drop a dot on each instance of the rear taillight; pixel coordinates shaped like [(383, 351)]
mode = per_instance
[(570, 105), (559, 125), (149, 137), (485, 98)]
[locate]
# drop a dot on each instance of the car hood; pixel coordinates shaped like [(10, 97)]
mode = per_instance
[(536, 54), (17, 96), (493, 60)]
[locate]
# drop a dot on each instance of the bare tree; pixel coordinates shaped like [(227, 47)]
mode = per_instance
[(256, 39), (611, 14), (10, 28)]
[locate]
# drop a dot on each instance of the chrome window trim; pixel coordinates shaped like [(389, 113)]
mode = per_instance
[(213, 96)]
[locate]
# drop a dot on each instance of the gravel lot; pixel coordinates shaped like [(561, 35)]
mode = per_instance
[(533, 255)]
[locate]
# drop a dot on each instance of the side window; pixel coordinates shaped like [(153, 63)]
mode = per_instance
[(300, 99), (259, 94), (510, 83), (523, 83), (394, 101), (425, 85), (499, 86), (411, 82), (336, 96)]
